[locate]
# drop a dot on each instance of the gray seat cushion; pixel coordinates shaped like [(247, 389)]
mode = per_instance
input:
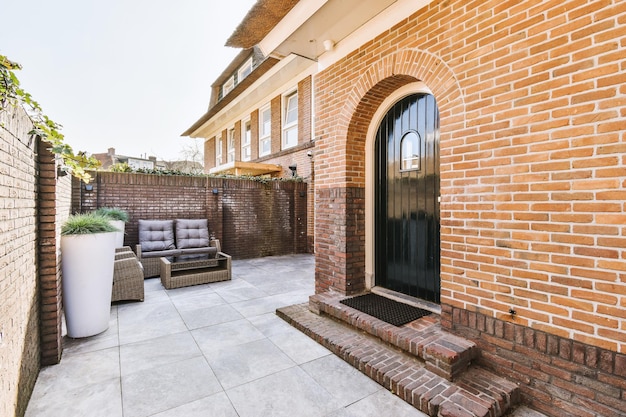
[(209, 250), (156, 235), (160, 253), (192, 233)]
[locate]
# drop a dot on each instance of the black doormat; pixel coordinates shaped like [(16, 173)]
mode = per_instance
[(387, 310)]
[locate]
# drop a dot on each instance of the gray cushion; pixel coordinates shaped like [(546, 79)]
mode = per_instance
[(210, 250), (192, 233), (156, 235), (160, 253)]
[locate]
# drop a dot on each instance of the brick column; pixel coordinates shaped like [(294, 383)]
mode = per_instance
[(49, 258), (277, 129), (340, 240)]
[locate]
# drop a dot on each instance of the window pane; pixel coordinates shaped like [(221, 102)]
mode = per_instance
[(265, 146), (228, 86), (218, 151), (246, 153), (266, 122), (245, 70), (409, 151), (291, 137), (247, 133), (291, 114)]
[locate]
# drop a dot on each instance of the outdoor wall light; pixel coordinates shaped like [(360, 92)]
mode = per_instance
[(329, 44), (293, 169), (215, 191), (88, 187)]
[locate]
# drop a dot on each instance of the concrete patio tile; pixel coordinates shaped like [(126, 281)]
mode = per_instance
[(299, 347), (212, 339), (244, 363), (235, 282), (270, 324), (288, 393), (242, 292), (295, 297), (192, 290), (344, 382), (174, 349), (154, 295), (152, 284), (281, 286), (77, 371), (195, 301), (147, 321), (104, 340), (262, 305), (217, 405), (158, 389), (203, 317), (103, 399), (152, 353), (381, 403)]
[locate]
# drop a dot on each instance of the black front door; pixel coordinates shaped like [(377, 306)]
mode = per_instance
[(407, 198)]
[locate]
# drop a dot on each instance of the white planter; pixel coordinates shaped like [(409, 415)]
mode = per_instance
[(87, 265), (119, 236)]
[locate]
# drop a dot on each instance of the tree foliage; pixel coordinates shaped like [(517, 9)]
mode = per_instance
[(12, 94)]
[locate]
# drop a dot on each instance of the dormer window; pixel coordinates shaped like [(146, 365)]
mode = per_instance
[(228, 86), (245, 70)]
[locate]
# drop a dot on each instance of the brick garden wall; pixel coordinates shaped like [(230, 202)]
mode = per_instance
[(19, 299), (533, 177), (251, 219), (54, 204)]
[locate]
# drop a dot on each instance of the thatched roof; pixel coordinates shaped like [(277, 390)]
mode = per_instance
[(259, 21)]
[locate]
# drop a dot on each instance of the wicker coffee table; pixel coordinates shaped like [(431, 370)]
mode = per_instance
[(179, 272)]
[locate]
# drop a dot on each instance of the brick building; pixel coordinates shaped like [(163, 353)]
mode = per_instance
[(467, 153), (259, 120)]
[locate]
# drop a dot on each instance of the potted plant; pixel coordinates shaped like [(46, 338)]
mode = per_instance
[(87, 261), (118, 219)]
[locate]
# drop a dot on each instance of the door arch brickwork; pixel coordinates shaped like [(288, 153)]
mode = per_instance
[(343, 120)]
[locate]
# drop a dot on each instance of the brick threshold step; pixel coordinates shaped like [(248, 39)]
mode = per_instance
[(443, 353), (475, 393)]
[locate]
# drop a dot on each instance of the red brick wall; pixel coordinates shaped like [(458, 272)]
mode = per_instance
[(532, 150), (304, 110), (557, 375), (238, 141), (19, 293), (339, 240), (531, 97), (251, 219), (54, 201), (254, 131), (209, 154), (277, 130)]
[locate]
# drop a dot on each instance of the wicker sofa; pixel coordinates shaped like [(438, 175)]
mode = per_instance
[(169, 238)]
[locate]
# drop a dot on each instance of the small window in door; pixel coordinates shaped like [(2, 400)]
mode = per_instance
[(410, 151)]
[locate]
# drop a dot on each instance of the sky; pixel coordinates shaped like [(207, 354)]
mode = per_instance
[(127, 74)]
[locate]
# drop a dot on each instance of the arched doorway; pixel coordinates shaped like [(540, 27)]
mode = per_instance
[(406, 198)]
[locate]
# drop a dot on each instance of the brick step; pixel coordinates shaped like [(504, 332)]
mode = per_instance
[(475, 393), (443, 353)]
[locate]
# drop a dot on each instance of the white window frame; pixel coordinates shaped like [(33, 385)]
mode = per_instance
[(228, 86), (245, 70), (265, 135), (290, 129), (218, 150), (230, 145), (246, 140)]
